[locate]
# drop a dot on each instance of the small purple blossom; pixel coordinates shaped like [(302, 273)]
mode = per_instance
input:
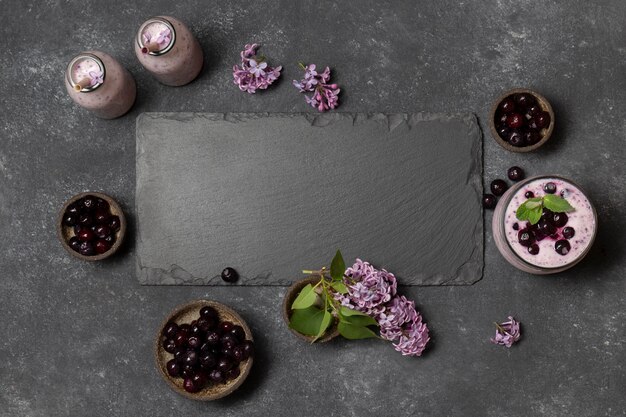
[(368, 287), (325, 96), (507, 333), (255, 73), (164, 38), (414, 338), (96, 77), (398, 312)]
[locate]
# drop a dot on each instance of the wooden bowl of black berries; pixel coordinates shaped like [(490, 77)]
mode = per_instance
[(91, 226), (204, 350), (522, 120)]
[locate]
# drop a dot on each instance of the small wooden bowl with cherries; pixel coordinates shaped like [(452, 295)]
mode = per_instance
[(204, 350), (91, 226), (522, 120)]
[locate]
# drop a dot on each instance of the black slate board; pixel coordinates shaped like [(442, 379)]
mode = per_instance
[(271, 194)]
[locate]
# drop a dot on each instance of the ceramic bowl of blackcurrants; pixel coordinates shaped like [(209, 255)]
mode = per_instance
[(204, 350), (521, 120), (91, 226)]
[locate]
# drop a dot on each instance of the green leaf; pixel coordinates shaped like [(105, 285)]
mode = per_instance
[(534, 215), (340, 287), (324, 325), (307, 321), (306, 298), (530, 210), (337, 267), (356, 317), (556, 203), (353, 331)]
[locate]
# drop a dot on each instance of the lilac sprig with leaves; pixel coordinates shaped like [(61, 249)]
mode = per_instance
[(361, 299), (325, 95), (255, 73), (532, 208)]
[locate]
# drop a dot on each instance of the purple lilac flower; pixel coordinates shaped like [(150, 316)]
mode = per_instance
[(369, 288), (96, 77), (414, 338), (325, 96), (397, 312), (255, 73), (507, 333), (164, 37)]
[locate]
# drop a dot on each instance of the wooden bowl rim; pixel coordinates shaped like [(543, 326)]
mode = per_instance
[(212, 392), (290, 295), (545, 104), (120, 233)]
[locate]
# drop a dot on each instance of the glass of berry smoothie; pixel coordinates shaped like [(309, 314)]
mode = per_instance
[(544, 225), (100, 84), (168, 50)]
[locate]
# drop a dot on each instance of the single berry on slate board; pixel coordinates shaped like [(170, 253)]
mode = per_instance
[(515, 173), (498, 187), (205, 352), (93, 224), (230, 275), (489, 201)]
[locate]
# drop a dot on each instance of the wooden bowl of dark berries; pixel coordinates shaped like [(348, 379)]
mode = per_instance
[(91, 226), (204, 350), (522, 120)]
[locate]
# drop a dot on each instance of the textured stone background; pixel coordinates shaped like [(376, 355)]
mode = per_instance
[(76, 338)]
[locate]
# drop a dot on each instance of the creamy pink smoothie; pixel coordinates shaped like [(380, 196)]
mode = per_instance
[(99, 83), (555, 247), (168, 50)]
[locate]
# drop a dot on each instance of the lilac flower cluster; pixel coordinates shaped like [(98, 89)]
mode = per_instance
[(507, 333), (325, 96), (164, 37), (374, 292), (255, 73)]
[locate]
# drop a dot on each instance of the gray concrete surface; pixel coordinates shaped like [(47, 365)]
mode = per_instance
[(77, 338)]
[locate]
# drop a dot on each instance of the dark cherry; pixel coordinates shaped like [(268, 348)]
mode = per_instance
[(88, 203), (181, 338), (191, 358), (86, 249), (224, 364), (207, 323), (173, 368), (102, 232), (225, 327), (533, 249), (507, 105), (187, 371), (230, 275), (101, 216), (227, 351), (179, 354), (233, 373), (169, 345), (547, 215), (70, 219), (248, 349), (190, 386), (531, 137), (102, 204), (559, 219), (213, 338), (524, 100), (239, 333), (532, 111), (74, 243), (185, 327), (562, 247), (543, 120), (196, 330), (529, 194), (200, 379), (514, 120), (516, 138), (115, 223), (216, 376), (525, 237), (539, 236), (515, 173), (208, 360), (550, 188), (489, 201), (229, 341), (85, 220), (110, 239), (515, 226), (501, 120), (170, 330), (568, 232), (102, 246), (238, 354), (504, 132), (194, 342), (498, 187), (208, 311), (73, 208), (532, 123)]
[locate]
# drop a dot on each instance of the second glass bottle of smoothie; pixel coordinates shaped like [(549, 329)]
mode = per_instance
[(168, 50)]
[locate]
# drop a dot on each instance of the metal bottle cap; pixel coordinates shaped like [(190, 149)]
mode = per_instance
[(162, 21), (76, 83)]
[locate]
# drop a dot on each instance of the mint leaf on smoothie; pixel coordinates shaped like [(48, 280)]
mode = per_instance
[(556, 204)]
